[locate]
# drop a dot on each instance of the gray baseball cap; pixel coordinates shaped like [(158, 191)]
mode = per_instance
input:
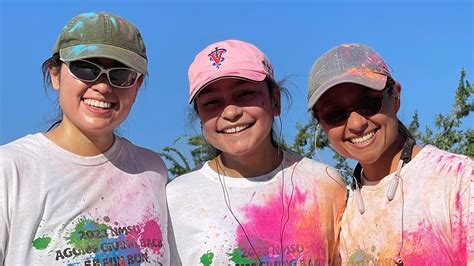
[(346, 63), (102, 34)]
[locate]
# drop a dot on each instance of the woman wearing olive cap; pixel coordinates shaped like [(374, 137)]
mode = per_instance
[(78, 194)]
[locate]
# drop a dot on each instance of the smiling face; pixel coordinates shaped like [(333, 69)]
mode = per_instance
[(94, 108), (365, 138), (237, 115)]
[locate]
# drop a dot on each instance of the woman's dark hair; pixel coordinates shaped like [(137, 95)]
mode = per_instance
[(52, 63), (193, 114), (402, 129)]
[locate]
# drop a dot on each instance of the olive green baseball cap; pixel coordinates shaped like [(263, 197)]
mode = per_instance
[(102, 34)]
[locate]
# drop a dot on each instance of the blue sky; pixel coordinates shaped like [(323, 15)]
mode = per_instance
[(426, 43)]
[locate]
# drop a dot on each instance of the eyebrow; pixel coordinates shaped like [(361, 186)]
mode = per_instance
[(210, 89)]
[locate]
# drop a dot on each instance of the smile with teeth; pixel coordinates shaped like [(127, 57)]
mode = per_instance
[(236, 129), (97, 103), (363, 139)]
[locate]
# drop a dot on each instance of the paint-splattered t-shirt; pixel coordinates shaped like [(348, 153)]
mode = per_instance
[(434, 225), (58, 208), (290, 215)]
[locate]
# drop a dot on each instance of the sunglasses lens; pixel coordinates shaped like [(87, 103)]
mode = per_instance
[(369, 106), (84, 70), (335, 116), (123, 77)]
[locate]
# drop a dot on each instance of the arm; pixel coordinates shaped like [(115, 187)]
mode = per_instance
[(469, 172), (4, 211)]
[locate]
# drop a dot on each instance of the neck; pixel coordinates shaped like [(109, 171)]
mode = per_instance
[(248, 165), (70, 138), (387, 162)]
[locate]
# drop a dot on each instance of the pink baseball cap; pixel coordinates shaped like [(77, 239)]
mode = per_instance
[(227, 59)]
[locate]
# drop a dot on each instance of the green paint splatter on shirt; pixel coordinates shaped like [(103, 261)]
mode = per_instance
[(206, 259), (81, 238), (41, 242), (237, 258), (360, 257)]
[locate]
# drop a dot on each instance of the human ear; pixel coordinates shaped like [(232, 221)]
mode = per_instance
[(55, 74), (140, 81), (276, 102), (396, 92)]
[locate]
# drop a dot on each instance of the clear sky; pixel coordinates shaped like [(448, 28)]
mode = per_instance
[(426, 43)]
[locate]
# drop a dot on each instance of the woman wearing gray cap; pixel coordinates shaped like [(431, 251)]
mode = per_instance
[(408, 204), (78, 194)]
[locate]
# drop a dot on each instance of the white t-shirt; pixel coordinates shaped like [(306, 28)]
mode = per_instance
[(58, 208), (435, 206), (295, 212)]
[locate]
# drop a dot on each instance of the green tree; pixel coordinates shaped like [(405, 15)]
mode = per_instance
[(448, 133)]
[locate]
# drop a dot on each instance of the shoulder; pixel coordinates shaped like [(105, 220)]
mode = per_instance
[(443, 162), (22, 148), (147, 158), (312, 169), (185, 181)]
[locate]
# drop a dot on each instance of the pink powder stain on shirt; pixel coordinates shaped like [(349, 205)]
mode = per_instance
[(152, 236), (459, 168), (301, 233), (427, 247)]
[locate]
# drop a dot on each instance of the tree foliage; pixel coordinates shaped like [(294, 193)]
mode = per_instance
[(448, 134)]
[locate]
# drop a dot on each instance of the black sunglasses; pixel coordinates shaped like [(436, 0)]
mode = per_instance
[(366, 106), (120, 77)]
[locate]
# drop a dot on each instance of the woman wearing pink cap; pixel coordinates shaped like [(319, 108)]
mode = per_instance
[(409, 204), (254, 203)]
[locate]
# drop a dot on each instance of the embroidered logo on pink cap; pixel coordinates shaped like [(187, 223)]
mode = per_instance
[(217, 57), (227, 59)]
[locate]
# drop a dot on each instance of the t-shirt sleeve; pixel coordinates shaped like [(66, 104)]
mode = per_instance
[(339, 205), (467, 198), (174, 256), (5, 200)]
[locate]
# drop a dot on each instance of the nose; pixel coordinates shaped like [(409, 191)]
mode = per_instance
[(102, 85), (356, 123), (232, 112)]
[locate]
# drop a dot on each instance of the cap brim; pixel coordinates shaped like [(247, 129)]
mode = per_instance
[(376, 82), (124, 56), (236, 74)]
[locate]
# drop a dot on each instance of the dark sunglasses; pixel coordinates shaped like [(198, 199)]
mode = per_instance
[(366, 106), (120, 77)]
